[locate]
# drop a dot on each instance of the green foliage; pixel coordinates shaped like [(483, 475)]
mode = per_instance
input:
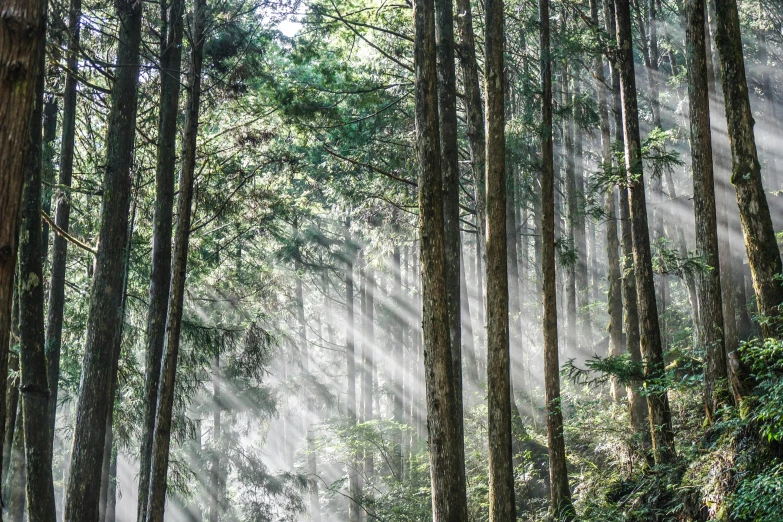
[(765, 359), (753, 499)]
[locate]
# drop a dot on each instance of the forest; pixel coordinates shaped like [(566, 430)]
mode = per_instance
[(391, 260)]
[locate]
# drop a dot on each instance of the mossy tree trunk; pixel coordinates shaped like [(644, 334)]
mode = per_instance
[(649, 328)]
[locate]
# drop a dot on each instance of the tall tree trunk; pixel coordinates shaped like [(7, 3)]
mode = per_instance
[(469, 348), (569, 234), (111, 496), (12, 401), (512, 263), (109, 440), (368, 340), (447, 114), (398, 362), (466, 52), (579, 226), (354, 483), (15, 486), (160, 276), (558, 473), (729, 279), (47, 167), (56, 305), (106, 296), (760, 242), (710, 301), (22, 36), (215, 467), (34, 384), (447, 468), (614, 297), (312, 464), (649, 329), (162, 437), (501, 469)]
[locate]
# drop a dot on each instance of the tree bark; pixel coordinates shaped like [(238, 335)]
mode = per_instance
[(22, 35), (398, 357), (368, 341), (106, 296), (15, 496), (162, 437), (12, 403), (466, 52), (216, 470), (614, 297), (34, 387), (637, 407), (710, 299), (56, 305), (354, 484), (760, 242), (447, 114), (649, 329), (502, 506), (569, 235), (160, 276), (558, 474), (447, 468), (47, 167)]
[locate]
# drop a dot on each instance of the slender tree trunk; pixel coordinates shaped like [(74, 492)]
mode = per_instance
[(22, 36), (355, 487), (106, 296), (569, 234), (56, 305), (111, 497), (512, 263), (398, 357), (558, 473), (579, 228), (15, 487), (312, 463), (162, 437), (47, 167), (710, 302), (722, 165), (502, 506), (160, 276), (760, 242), (368, 340), (466, 52), (614, 276), (447, 114), (447, 468), (216, 471), (469, 349), (650, 333), (12, 402), (34, 387)]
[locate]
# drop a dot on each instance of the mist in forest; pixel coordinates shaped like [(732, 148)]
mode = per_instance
[(305, 260)]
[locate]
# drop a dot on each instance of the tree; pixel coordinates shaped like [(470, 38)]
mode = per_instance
[(34, 384), (22, 35), (710, 302), (160, 276), (447, 470), (501, 473), (650, 340), (106, 294), (62, 216), (760, 242), (558, 473), (159, 461)]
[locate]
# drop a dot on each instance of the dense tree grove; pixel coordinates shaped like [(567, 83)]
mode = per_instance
[(359, 260)]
